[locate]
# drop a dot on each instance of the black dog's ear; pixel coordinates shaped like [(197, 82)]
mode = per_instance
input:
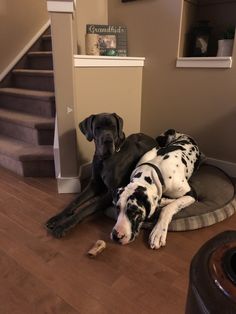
[(86, 127), (166, 138), (119, 122), (161, 140), (116, 195)]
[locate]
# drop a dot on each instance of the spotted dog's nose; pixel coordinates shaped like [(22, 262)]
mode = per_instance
[(115, 236)]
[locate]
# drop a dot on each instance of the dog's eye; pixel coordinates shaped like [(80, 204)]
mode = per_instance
[(130, 212)]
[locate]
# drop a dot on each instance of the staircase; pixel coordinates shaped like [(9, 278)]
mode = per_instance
[(27, 111)]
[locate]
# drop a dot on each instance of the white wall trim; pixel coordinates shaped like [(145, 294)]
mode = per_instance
[(73, 184), (228, 167), (204, 62), (24, 50), (60, 6), (68, 185), (87, 61)]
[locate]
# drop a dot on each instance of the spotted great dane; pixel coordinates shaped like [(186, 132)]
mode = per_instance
[(159, 180)]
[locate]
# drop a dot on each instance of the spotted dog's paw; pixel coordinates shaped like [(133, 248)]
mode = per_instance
[(157, 237)]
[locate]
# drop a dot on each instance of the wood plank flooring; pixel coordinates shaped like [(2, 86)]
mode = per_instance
[(39, 274)]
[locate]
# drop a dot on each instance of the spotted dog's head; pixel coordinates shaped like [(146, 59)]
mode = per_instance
[(106, 130), (134, 204)]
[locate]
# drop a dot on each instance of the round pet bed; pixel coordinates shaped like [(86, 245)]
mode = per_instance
[(216, 201)]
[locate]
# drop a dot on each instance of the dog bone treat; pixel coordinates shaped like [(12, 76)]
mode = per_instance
[(97, 248)]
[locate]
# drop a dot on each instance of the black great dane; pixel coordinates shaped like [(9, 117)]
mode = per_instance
[(114, 160)]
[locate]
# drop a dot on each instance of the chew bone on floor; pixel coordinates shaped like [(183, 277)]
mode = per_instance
[(97, 248)]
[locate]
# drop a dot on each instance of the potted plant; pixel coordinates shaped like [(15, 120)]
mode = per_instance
[(225, 45)]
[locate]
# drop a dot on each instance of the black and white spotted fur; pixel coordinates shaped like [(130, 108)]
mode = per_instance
[(163, 185)]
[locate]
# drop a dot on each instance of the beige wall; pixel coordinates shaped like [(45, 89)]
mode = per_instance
[(107, 90), (19, 22), (201, 102), (89, 12)]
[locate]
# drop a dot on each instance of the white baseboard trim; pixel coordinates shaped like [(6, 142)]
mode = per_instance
[(24, 50), (226, 166), (68, 185), (73, 184)]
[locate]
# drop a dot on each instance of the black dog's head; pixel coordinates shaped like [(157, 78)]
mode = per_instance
[(106, 129), (166, 138)]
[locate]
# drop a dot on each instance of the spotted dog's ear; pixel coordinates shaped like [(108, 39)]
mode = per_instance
[(166, 138), (116, 195), (86, 127), (119, 121)]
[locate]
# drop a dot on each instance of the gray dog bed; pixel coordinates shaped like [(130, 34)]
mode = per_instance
[(216, 201)]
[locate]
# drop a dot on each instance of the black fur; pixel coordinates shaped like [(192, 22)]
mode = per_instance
[(148, 180), (113, 162), (142, 199), (138, 175), (192, 193)]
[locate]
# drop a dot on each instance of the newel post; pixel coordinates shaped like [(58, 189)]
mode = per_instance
[(65, 147)]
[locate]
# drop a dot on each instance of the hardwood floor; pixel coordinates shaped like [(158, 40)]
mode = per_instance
[(40, 274)]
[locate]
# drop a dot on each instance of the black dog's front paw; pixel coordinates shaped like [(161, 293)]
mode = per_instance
[(52, 222), (58, 232)]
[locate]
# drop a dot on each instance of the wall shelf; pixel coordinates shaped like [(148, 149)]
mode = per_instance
[(204, 62), (86, 61)]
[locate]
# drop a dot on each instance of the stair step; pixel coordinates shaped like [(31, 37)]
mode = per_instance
[(26, 159), (30, 101), (46, 42), (40, 60), (28, 128), (47, 36), (33, 79)]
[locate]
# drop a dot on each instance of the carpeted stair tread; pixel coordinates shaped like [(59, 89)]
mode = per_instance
[(23, 151), (31, 72), (27, 113), (27, 93), (28, 120)]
